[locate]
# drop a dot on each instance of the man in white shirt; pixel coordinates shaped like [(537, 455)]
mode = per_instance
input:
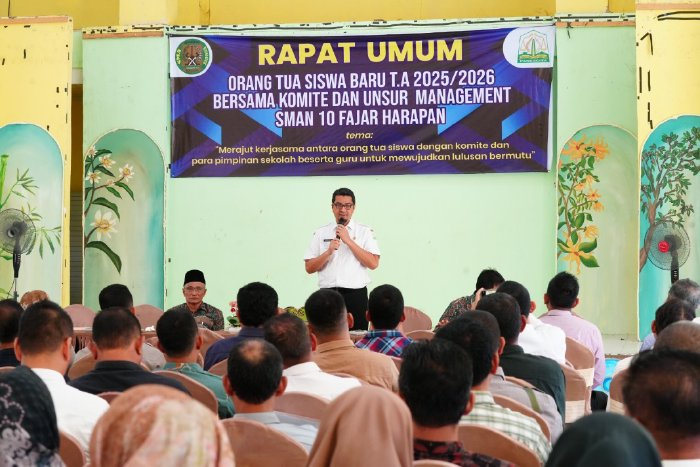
[(342, 252), (44, 344), (537, 338), (289, 334)]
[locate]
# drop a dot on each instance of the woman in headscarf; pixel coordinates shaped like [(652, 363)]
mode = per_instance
[(157, 425), (603, 439), (364, 426), (28, 429)]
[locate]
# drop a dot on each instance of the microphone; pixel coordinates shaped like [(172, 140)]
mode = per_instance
[(341, 221)]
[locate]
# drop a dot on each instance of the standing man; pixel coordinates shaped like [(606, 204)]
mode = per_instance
[(341, 252), (194, 289)]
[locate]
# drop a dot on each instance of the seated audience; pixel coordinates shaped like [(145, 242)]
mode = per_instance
[(683, 289), (119, 296), (31, 297), (44, 343), (542, 372), (194, 288), (604, 440), (481, 342), (537, 338), (289, 334), (434, 382), (254, 380), (179, 340), (156, 425), (488, 280), (330, 323), (256, 303), (364, 426), (681, 335), (671, 311), (10, 311), (117, 348), (662, 392), (385, 312), (28, 431), (560, 299)]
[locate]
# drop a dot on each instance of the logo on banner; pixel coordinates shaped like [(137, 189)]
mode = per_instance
[(533, 48), (192, 56)]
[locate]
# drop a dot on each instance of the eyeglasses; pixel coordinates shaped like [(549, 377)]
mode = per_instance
[(194, 289), (340, 206)]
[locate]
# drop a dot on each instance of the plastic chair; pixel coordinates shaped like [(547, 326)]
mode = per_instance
[(82, 366), (616, 402), (483, 440), (220, 368), (252, 441), (198, 391), (70, 451), (582, 359), (432, 463), (415, 320), (147, 315), (209, 337), (421, 334), (519, 382), (109, 396), (81, 315), (397, 361), (577, 393), (516, 406), (301, 403)]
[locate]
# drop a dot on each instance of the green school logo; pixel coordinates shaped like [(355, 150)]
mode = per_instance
[(533, 48), (192, 56)]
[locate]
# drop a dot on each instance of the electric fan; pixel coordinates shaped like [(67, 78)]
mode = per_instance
[(17, 236), (670, 248)]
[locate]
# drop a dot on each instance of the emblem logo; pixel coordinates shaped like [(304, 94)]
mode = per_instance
[(192, 56), (533, 48)]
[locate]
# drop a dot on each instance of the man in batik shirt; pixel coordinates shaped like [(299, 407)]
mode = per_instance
[(194, 289)]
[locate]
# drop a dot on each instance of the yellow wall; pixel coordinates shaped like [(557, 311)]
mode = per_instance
[(85, 13), (672, 69), (28, 92)]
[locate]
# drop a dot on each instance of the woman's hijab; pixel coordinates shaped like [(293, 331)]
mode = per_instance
[(151, 425), (364, 426), (603, 439), (28, 429)]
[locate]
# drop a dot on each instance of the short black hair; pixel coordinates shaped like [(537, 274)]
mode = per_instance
[(325, 311), (662, 391), (43, 327), (563, 290), (435, 380), (343, 192), (115, 328), (385, 307), (10, 312), (671, 311), (289, 334), (506, 311), (116, 295), (177, 332), (254, 370), (519, 293), (477, 333), (257, 302), (488, 279)]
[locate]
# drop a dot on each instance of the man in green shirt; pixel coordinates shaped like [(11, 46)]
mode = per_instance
[(179, 340)]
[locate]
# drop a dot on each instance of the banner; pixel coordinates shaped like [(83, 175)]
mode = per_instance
[(467, 102)]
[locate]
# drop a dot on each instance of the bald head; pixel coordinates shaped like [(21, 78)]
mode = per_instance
[(681, 335)]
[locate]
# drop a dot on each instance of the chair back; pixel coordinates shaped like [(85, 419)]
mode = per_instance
[(519, 382), (432, 463), (516, 406), (147, 315), (477, 438), (81, 315), (415, 320), (421, 334), (252, 441), (577, 395), (209, 337), (6, 369), (581, 358), (397, 361), (198, 391), (302, 404), (109, 396), (616, 403), (220, 368), (80, 367), (70, 451)]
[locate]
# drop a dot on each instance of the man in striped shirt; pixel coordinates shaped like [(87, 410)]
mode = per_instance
[(385, 312)]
